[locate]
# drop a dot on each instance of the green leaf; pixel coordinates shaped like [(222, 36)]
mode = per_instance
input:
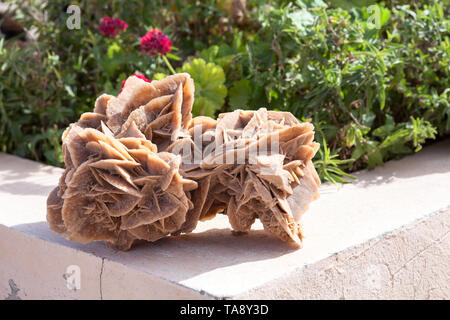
[(113, 50), (210, 91), (350, 136), (159, 76), (386, 129), (112, 60), (368, 118), (173, 57), (357, 152), (210, 53), (301, 19), (69, 90), (374, 159), (240, 93), (385, 15), (398, 136)]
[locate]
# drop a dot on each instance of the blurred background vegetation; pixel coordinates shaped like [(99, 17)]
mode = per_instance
[(373, 94)]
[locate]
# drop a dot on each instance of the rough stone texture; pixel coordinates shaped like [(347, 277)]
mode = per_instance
[(131, 175), (118, 186), (384, 236), (410, 263)]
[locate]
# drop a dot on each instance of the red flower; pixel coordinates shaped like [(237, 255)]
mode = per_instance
[(140, 76), (155, 42), (109, 27)]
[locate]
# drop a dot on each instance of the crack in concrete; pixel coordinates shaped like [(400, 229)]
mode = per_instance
[(101, 274), (390, 273), (371, 244), (433, 243)]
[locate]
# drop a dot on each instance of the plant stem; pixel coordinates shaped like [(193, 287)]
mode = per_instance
[(168, 64)]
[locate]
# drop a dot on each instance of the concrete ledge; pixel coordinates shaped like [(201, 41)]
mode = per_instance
[(385, 236)]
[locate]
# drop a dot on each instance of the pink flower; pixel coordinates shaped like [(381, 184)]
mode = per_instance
[(109, 27), (155, 42), (140, 76)]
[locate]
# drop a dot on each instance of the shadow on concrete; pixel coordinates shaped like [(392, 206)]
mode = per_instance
[(26, 188), (179, 257)]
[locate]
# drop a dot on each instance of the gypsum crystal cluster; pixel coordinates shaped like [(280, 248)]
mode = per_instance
[(141, 168)]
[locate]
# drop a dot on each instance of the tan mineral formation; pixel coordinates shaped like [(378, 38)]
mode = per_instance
[(141, 168)]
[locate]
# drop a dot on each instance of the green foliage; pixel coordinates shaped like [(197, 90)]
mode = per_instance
[(328, 166), (372, 94), (239, 94), (32, 103), (377, 94), (210, 91), (46, 85)]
